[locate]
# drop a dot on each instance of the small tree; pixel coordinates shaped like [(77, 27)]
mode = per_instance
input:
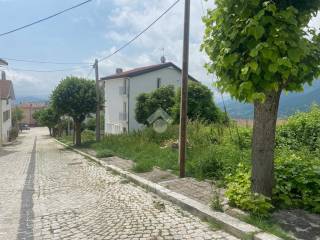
[(17, 116), (47, 117), (200, 104), (258, 49), (75, 97), (147, 104)]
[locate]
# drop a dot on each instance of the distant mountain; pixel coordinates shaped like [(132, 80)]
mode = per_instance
[(30, 99), (289, 103)]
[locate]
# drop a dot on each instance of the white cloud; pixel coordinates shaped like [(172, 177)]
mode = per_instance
[(315, 22), (130, 17)]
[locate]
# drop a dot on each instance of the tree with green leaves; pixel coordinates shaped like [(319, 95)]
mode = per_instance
[(75, 97), (47, 117), (200, 105), (258, 49), (148, 103), (17, 116)]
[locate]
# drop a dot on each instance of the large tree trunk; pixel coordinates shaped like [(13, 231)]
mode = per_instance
[(78, 133), (263, 143)]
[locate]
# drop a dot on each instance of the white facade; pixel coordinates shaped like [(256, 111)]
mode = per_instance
[(121, 94), (5, 119)]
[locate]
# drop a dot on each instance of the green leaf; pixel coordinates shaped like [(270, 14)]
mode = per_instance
[(258, 97), (258, 32), (253, 66), (268, 54), (245, 87), (254, 52), (230, 59), (294, 54), (273, 68), (245, 70)]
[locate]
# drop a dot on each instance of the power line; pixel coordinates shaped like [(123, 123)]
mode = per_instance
[(142, 32), (102, 59), (44, 19), (44, 62), (48, 71)]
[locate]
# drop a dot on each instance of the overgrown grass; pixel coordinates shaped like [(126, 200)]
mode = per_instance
[(214, 151), (268, 225)]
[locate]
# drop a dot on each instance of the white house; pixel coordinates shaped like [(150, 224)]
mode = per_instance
[(6, 100), (122, 88)]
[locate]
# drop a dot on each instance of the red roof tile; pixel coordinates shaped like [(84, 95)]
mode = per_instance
[(142, 70)]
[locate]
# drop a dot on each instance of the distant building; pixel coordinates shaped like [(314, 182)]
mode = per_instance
[(28, 110), (122, 89), (6, 101)]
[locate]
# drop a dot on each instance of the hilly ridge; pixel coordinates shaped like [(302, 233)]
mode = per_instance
[(289, 103)]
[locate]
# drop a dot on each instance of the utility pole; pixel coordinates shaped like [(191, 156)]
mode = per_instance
[(96, 67), (184, 91)]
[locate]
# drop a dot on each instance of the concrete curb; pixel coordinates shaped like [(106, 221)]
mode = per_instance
[(228, 223)]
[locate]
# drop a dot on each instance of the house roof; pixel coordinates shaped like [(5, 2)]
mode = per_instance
[(143, 70), (32, 105), (6, 89)]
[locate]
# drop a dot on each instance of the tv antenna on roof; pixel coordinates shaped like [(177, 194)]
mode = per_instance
[(163, 58)]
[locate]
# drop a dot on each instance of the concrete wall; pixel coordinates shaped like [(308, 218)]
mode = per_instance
[(5, 126)]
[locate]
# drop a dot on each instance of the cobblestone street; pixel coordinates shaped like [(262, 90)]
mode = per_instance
[(47, 192)]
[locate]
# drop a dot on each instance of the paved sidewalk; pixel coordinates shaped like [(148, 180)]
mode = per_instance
[(47, 192)]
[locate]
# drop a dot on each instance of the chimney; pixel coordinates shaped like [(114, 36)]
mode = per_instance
[(119, 70), (3, 75)]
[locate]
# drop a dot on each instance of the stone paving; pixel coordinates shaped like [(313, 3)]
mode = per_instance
[(47, 192)]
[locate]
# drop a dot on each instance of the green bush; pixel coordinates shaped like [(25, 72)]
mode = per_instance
[(88, 136), (240, 195), (13, 133), (104, 153), (298, 182), (148, 103), (297, 185), (201, 105), (302, 129), (207, 165)]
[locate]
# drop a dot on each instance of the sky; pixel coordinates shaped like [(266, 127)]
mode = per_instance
[(93, 31)]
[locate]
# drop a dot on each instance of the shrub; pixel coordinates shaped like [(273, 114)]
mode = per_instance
[(88, 136), (13, 133), (302, 129), (240, 195), (148, 103), (104, 153), (200, 105), (298, 182), (206, 166), (297, 185)]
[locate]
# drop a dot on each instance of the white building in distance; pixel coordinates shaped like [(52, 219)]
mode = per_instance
[(122, 89)]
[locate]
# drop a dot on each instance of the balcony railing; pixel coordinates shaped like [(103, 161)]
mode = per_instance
[(113, 128)]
